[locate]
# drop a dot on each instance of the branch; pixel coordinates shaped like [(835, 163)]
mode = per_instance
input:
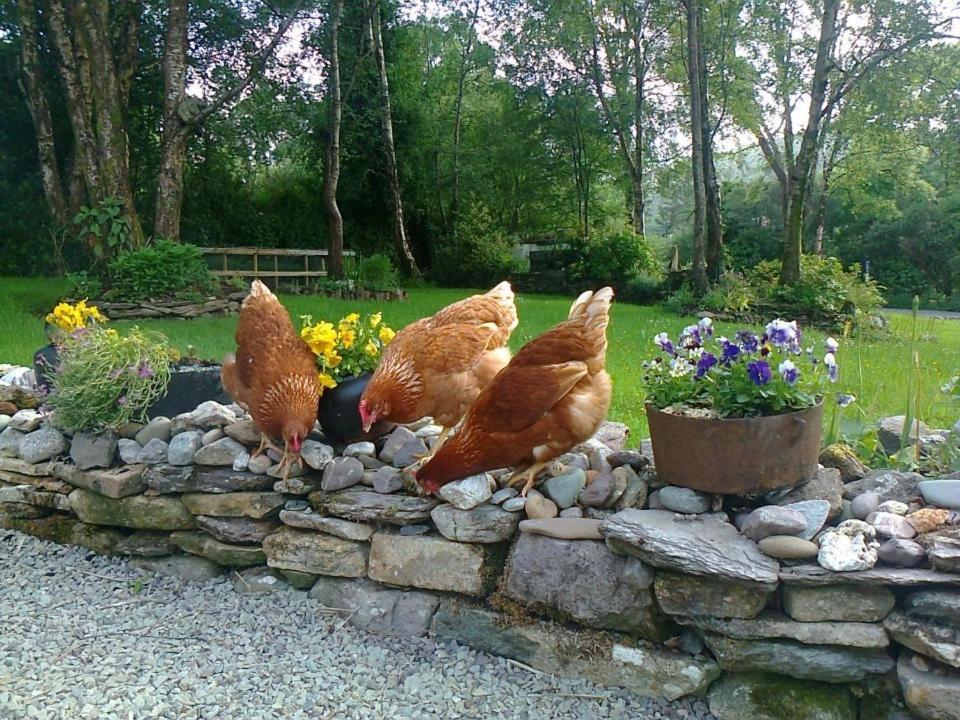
[(256, 68), (769, 149)]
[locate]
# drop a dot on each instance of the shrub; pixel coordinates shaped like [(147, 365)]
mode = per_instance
[(682, 301), (104, 228), (163, 269), (105, 379), (613, 258), (642, 290), (377, 273), (84, 285), (476, 253), (733, 294)]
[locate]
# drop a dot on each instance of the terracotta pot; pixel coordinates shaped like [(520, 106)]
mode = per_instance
[(736, 456), (339, 415)]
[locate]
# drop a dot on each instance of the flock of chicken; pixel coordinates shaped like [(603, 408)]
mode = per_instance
[(454, 366)]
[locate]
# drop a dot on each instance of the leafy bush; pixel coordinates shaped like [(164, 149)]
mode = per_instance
[(104, 228), (682, 301), (733, 294), (642, 290), (163, 269), (475, 253), (105, 379), (377, 273), (85, 285), (613, 258)]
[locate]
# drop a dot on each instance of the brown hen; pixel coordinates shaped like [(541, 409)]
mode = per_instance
[(438, 365), (553, 395), (273, 375)]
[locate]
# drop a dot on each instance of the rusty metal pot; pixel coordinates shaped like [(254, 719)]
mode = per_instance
[(736, 456)]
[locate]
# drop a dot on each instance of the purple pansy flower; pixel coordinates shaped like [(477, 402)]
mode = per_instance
[(690, 337), (759, 372), (706, 361), (706, 325), (831, 345), (843, 400), (830, 361), (788, 371), (729, 351), (783, 334), (662, 340), (748, 341)]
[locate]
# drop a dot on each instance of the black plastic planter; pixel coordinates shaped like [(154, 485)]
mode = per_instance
[(189, 386), (339, 415)]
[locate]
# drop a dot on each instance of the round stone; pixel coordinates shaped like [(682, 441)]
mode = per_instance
[(864, 504), (788, 547), (684, 500), (538, 507)]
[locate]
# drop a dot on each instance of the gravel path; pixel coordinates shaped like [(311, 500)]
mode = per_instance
[(89, 637)]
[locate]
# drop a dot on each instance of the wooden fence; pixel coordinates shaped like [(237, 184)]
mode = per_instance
[(264, 263)]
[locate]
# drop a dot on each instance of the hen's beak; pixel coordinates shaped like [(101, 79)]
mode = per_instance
[(366, 417), (296, 443)]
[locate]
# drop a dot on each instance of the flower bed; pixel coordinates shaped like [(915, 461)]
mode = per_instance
[(606, 574)]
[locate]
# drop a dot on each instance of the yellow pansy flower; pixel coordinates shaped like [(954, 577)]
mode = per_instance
[(320, 337), (375, 319), (371, 349), (347, 338), (326, 381), (331, 359), (386, 334)]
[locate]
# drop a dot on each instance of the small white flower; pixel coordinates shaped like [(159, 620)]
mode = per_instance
[(680, 366), (831, 345)]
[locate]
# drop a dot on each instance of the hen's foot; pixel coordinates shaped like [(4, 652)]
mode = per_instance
[(266, 444), (527, 476), (287, 461), (441, 439)]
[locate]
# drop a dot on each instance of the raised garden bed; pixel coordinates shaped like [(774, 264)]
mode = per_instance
[(186, 309)]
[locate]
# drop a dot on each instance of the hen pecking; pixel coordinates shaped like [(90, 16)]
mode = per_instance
[(438, 365), (553, 395), (273, 374)]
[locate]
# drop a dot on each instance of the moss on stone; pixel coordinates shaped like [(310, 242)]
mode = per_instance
[(765, 696)]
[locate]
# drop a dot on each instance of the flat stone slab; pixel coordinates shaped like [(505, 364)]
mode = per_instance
[(114, 483), (199, 543), (365, 505), (29, 495), (702, 545), (942, 606), (22, 467), (191, 478), (645, 670), (761, 696), (928, 638), (332, 526), (433, 563), (932, 691), (137, 511), (186, 568), (826, 663), (680, 594), (378, 609), (254, 505), (317, 553), (241, 530), (481, 524), (772, 625), (899, 577), (837, 603)]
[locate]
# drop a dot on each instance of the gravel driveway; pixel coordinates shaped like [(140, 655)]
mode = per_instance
[(89, 637)]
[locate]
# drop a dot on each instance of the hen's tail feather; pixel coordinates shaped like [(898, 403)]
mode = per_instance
[(579, 304), (506, 298), (257, 290), (594, 313), (230, 377)]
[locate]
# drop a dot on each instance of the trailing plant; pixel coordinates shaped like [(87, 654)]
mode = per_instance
[(161, 270), (350, 348), (105, 379), (104, 228)]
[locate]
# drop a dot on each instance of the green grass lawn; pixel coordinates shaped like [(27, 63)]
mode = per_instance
[(881, 390)]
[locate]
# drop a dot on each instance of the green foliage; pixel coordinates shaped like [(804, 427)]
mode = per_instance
[(104, 228), (681, 301), (106, 379), (161, 270), (613, 258), (84, 285), (377, 273), (641, 289), (476, 253), (733, 294)]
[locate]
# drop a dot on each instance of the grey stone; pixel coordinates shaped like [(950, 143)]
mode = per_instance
[(137, 511), (93, 450), (409, 453), (260, 464), (815, 512), (826, 484), (299, 580), (813, 575), (762, 696), (146, 543), (943, 549), (564, 489), (571, 512), (514, 504), (887, 484), (42, 444), (236, 529), (612, 434), (837, 603), (890, 525), (586, 583), (501, 496), (902, 552), (467, 493), (635, 494), (226, 554), (365, 505), (605, 490), (410, 530), (332, 526), (481, 524), (316, 553), (259, 580), (360, 448), (574, 460), (190, 479), (158, 428), (890, 432), (184, 447), (114, 483), (376, 608), (30, 495), (772, 626), (26, 420), (241, 462), (538, 507), (942, 606), (396, 440), (186, 568), (894, 506), (4, 422), (181, 423), (685, 500), (940, 642), (254, 505), (931, 691), (129, 451), (433, 563), (342, 473), (387, 480), (788, 547), (154, 452), (653, 501), (212, 413), (772, 520), (245, 431), (646, 670), (222, 452), (864, 504), (211, 436), (707, 545), (633, 458), (826, 663), (10, 440), (680, 594), (563, 528), (597, 453)]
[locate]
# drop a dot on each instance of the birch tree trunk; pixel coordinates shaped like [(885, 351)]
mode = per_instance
[(386, 120), (699, 277), (711, 187), (331, 174), (465, 51)]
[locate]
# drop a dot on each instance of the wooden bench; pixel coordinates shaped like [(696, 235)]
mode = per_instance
[(265, 262)]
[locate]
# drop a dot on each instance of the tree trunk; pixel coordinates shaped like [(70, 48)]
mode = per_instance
[(465, 51), (40, 113), (700, 281), (173, 141), (800, 172), (386, 120), (331, 174), (711, 187)]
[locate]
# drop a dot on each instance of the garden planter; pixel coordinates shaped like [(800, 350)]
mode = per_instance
[(339, 415), (736, 456), (189, 386), (44, 364)]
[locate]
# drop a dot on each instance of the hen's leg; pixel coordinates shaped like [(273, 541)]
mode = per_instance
[(288, 459), (266, 443), (529, 476), (441, 439)]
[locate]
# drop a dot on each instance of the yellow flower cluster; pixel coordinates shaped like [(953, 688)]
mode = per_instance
[(69, 317), (350, 347)]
